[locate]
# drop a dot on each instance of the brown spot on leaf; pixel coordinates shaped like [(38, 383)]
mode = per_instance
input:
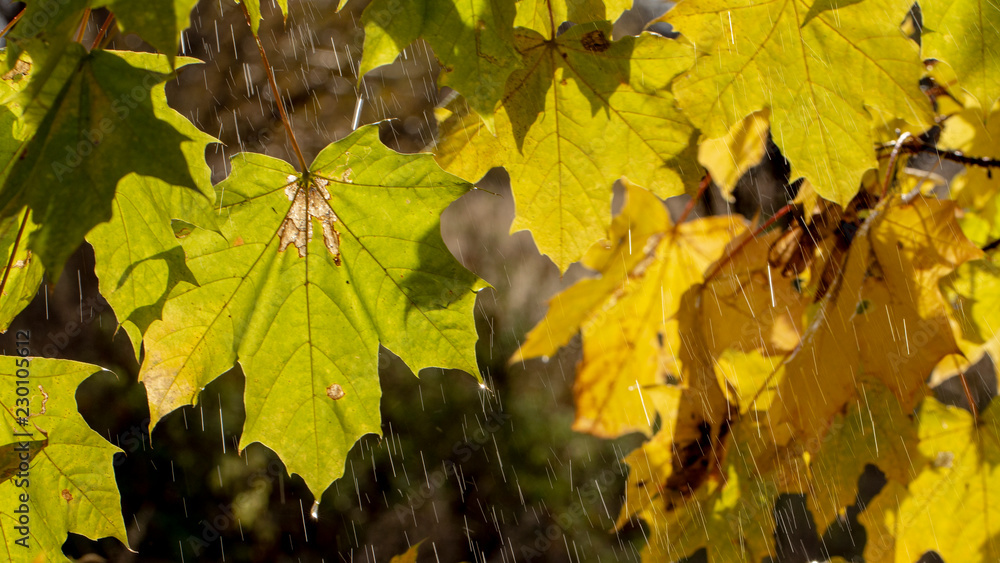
[(23, 262), (309, 202), (335, 392), (595, 41), (20, 69), (238, 241), (67, 495)]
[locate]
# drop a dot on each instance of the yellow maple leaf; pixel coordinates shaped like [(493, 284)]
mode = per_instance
[(628, 315), (889, 287), (727, 158)]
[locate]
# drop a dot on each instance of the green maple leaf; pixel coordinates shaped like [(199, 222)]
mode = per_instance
[(46, 41), (819, 67), (103, 125), (71, 481), (965, 35), (473, 41), (21, 274), (545, 16), (583, 112), (138, 254), (310, 274), (47, 34)]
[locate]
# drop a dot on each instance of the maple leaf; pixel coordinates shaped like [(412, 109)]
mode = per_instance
[(950, 507), (746, 305), (101, 127), (816, 66), (966, 37), (47, 34), (21, 273), (728, 158), (581, 113), (875, 430), (545, 16), (472, 40), (693, 481), (973, 290), (138, 257), (70, 486), (628, 315), (45, 41), (728, 514), (976, 189), (889, 286), (678, 460), (159, 22), (734, 513), (305, 329)]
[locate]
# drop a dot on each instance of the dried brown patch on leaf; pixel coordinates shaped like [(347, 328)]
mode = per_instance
[(310, 200), (335, 392), (595, 41), (21, 68)]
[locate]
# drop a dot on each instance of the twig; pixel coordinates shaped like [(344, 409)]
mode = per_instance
[(276, 92), (705, 183), (892, 161), (11, 23), (103, 30), (729, 256), (83, 25), (917, 146)]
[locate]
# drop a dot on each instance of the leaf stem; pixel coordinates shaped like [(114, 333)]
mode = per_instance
[(13, 251), (277, 93), (552, 20), (705, 183), (11, 23), (83, 25), (729, 256), (103, 30)]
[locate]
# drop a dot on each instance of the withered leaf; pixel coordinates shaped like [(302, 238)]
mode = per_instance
[(309, 198)]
